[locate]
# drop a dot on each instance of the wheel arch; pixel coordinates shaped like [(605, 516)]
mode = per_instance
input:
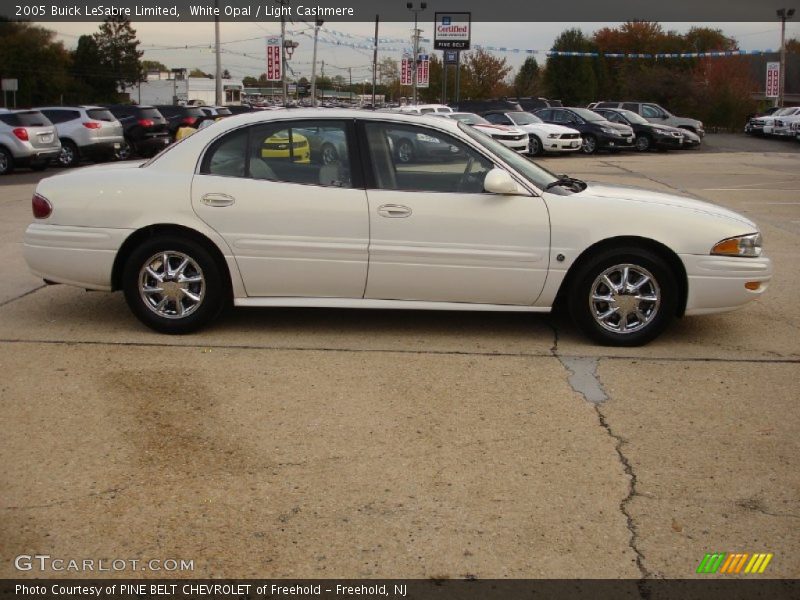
[(150, 231), (667, 254)]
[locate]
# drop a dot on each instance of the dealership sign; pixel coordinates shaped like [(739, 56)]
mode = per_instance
[(405, 71), (274, 66), (451, 31), (773, 79), (423, 70)]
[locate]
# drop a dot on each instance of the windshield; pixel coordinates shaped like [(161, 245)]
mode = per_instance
[(531, 171), (469, 118), (632, 117), (523, 118), (587, 115)]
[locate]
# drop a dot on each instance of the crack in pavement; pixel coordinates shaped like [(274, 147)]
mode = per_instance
[(583, 379), (28, 293)]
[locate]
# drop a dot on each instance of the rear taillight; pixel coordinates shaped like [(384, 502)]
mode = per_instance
[(41, 207), (92, 125), (21, 133), (145, 122), (189, 121)]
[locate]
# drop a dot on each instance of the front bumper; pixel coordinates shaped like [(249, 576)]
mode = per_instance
[(717, 283), (667, 141), (608, 142), (561, 145)]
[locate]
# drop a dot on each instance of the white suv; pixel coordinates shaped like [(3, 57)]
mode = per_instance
[(27, 139), (86, 132)]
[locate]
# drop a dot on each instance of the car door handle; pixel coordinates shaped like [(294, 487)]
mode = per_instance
[(217, 200), (394, 211)]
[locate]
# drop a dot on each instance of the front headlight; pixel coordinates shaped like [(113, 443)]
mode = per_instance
[(742, 245), (552, 136), (609, 130)]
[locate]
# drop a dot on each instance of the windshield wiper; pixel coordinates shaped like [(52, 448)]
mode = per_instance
[(566, 181)]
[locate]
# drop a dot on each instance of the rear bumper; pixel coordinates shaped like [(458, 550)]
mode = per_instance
[(717, 283), (102, 149), (37, 156), (81, 256), (152, 144)]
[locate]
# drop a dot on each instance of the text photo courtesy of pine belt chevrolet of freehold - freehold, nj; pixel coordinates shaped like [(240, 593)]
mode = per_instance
[(373, 298)]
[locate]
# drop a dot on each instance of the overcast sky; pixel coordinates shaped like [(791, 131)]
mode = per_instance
[(156, 37)]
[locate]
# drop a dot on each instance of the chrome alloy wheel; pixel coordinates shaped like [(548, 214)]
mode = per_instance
[(624, 298), (171, 284)]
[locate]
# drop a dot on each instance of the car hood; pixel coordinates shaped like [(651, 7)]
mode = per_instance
[(546, 128), (634, 194)]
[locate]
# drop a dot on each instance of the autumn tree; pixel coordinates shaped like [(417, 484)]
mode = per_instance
[(483, 75)]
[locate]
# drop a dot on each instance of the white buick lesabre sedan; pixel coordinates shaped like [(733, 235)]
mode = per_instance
[(245, 211)]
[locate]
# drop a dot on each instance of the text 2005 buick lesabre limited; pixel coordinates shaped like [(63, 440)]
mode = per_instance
[(316, 208)]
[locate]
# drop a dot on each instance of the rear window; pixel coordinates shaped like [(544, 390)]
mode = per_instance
[(150, 113), (100, 114), (31, 118), (224, 111)]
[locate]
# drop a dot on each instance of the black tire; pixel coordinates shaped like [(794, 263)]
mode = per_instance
[(643, 143), (70, 156), (214, 292), (589, 144), (536, 148), (405, 151), (6, 162), (328, 154), (125, 151), (582, 307)]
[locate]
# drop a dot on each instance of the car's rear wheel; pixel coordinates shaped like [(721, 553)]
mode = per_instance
[(69, 157), (623, 297), (173, 285), (329, 155), (535, 146), (6, 161), (125, 151), (643, 143), (589, 144), (405, 151)]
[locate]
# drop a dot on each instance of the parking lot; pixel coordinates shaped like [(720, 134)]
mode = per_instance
[(330, 443)]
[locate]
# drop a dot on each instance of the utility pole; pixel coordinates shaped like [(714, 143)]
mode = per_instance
[(283, 57), (218, 75), (375, 61), (350, 92), (317, 24), (416, 11), (783, 15), (323, 78)]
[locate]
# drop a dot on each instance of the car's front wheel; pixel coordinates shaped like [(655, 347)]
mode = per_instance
[(623, 297), (6, 161), (535, 146), (173, 285), (643, 143)]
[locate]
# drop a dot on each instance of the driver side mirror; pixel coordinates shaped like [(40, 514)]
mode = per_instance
[(498, 181)]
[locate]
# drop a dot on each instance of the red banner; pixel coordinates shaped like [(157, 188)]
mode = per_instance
[(405, 71), (274, 60)]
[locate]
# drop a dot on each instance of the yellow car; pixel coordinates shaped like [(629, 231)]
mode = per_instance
[(277, 146)]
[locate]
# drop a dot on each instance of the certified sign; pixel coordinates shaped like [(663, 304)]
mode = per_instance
[(451, 31), (274, 62), (773, 79)]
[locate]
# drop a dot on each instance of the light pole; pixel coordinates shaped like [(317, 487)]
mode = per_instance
[(416, 11), (317, 24), (783, 14)]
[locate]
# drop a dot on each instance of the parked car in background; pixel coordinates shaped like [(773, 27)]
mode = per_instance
[(648, 135), (180, 116), (216, 112), (782, 123), (508, 135), (425, 109), (327, 145), (755, 123), (86, 132), (144, 129), (239, 109), (655, 114), (486, 231), (597, 132), (27, 139), (543, 137)]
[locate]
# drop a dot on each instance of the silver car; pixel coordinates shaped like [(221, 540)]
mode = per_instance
[(90, 132), (27, 139)]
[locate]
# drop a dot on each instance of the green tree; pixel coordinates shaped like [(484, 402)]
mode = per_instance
[(93, 83), (526, 82), (30, 54), (119, 53), (571, 79), (153, 65), (250, 81), (200, 73)]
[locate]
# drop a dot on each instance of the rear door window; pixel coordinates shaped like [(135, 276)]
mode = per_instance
[(31, 118), (632, 106), (100, 114)]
